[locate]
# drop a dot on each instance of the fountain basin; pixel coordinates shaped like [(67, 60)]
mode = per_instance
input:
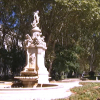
[(31, 81), (53, 91), (28, 73), (28, 81), (27, 78)]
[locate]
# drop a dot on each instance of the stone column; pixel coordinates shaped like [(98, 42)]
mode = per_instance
[(42, 70)]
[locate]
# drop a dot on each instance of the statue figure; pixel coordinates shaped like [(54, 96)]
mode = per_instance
[(28, 40), (36, 38), (36, 19), (32, 58)]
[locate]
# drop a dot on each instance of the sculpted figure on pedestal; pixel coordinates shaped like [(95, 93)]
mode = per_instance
[(32, 59), (36, 19), (28, 40)]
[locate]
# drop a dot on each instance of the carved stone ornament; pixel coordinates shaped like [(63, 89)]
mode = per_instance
[(36, 38)]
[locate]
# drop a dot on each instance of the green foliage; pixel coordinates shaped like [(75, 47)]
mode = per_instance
[(13, 60), (72, 24), (16, 18), (65, 59), (89, 91), (91, 73), (81, 21)]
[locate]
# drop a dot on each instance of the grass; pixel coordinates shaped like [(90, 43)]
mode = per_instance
[(89, 91)]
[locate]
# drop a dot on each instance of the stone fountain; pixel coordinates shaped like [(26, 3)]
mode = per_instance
[(35, 70)]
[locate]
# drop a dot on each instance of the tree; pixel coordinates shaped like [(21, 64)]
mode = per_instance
[(82, 18), (63, 22), (16, 18)]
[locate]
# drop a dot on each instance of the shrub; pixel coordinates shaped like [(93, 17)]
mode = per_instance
[(91, 73)]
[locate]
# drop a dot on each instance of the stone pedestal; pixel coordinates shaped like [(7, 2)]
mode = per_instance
[(42, 71), (31, 68), (36, 67)]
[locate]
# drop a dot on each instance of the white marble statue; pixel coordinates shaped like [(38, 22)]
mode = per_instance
[(35, 47), (36, 19), (28, 40)]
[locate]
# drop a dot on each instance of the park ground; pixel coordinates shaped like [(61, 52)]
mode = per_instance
[(66, 83)]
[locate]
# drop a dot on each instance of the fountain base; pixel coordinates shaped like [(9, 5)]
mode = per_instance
[(28, 81), (28, 73), (31, 81)]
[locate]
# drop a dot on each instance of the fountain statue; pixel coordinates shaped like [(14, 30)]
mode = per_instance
[(35, 70)]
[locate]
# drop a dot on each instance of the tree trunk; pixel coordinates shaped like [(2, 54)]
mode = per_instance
[(50, 67), (52, 59), (91, 62)]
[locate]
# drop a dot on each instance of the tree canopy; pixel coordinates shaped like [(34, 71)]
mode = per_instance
[(71, 29)]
